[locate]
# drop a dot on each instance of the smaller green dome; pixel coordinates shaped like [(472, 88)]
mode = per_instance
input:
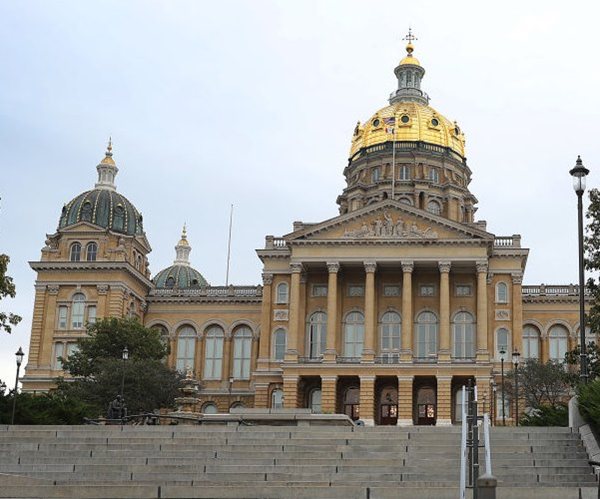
[(179, 277)]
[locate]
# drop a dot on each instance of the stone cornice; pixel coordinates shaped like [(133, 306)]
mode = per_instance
[(386, 241), (90, 266)]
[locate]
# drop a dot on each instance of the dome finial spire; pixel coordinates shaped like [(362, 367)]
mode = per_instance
[(410, 38), (107, 169), (183, 248), (109, 146), (409, 74)]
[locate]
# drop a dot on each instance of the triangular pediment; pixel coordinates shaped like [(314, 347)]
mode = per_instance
[(388, 220)]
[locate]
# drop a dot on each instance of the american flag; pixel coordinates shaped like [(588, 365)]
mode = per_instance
[(389, 122)]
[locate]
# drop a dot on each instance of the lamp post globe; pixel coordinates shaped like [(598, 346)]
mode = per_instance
[(579, 174)]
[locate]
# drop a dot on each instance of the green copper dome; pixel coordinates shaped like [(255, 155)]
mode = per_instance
[(105, 208), (179, 277)]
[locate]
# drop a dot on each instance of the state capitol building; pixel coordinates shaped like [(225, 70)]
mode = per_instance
[(382, 312)]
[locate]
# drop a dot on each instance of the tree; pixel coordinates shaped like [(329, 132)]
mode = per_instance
[(7, 288), (593, 356), (98, 368), (592, 258), (49, 409), (539, 384)]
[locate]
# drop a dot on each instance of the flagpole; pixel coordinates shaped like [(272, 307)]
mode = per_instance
[(393, 159), (229, 246)]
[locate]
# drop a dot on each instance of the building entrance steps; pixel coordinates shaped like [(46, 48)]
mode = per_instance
[(344, 462)]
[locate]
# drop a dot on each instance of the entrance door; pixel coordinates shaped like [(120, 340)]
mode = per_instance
[(351, 403), (388, 406), (426, 408)]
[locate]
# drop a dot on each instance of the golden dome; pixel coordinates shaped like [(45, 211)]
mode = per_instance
[(410, 59), (410, 122)]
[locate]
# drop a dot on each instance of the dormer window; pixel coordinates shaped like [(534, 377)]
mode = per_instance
[(91, 251), (75, 254), (170, 282), (86, 212)]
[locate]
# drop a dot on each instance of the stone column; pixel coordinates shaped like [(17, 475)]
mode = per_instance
[(368, 355), (226, 373), (290, 392), (330, 353), (483, 354), (367, 400), (517, 315), (102, 293), (261, 395), (405, 401), (544, 348), (328, 394), (37, 326), (291, 355), (444, 401), (444, 352), (265, 323), (407, 312)]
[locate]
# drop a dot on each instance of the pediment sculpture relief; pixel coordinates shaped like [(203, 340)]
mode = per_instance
[(387, 227)]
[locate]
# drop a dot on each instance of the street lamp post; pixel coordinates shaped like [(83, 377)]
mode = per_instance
[(502, 354), (2, 388), (515, 359), (493, 405), (19, 356), (579, 172), (124, 356)]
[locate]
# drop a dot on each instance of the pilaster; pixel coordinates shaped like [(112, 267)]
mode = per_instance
[(49, 325), (517, 306), (330, 353), (37, 325), (405, 401), (291, 354), (328, 394), (261, 395), (290, 392), (444, 401), (265, 323), (407, 312), (444, 352), (483, 354), (367, 400), (368, 355)]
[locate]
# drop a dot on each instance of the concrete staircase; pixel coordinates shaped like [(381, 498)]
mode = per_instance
[(281, 462)]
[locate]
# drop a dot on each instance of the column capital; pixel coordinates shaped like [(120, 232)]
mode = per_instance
[(517, 277), (407, 265), (267, 278), (482, 266), (370, 266), (53, 289), (296, 267), (333, 267), (102, 289), (444, 266)]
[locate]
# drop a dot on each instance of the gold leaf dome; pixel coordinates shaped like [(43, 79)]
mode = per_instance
[(410, 122), (410, 59)]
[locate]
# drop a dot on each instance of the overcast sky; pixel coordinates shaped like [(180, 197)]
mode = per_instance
[(254, 103)]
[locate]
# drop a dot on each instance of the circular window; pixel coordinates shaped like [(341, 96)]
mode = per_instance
[(405, 119), (457, 130), (435, 122), (376, 122)]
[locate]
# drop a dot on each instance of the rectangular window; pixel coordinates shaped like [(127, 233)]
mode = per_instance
[(71, 349), (391, 290), (319, 290), (426, 290), (356, 290), (242, 348), (464, 290), (62, 317), (404, 172), (92, 314), (59, 351), (213, 358)]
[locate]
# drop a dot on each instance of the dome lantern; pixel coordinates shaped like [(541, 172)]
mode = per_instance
[(409, 74), (107, 170), (182, 250)]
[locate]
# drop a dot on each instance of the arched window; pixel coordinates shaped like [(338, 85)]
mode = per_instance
[(317, 334), (314, 400), (434, 175), (434, 207), (531, 342), (501, 292), (210, 408), (213, 353), (426, 333), (558, 342), (170, 282), (391, 331), (404, 172), (277, 398), (186, 348), (407, 201), (75, 255), (464, 336), (502, 343), (279, 344), (77, 311), (282, 292), (91, 252), (242, 351), (354, 334), (236, 405), (375, 174), (352, 403)]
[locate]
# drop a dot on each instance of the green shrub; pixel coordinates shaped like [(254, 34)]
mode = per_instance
[(547, 415), (589, 402)]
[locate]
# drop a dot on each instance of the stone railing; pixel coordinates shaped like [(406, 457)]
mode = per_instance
[(513, 241), (213, 291), (551, 290), (272, 242)]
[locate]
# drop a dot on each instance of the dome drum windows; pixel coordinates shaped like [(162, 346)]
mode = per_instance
[(434, 207)]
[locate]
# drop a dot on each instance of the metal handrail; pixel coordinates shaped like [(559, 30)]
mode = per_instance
[(463, 446), (486, 443)]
